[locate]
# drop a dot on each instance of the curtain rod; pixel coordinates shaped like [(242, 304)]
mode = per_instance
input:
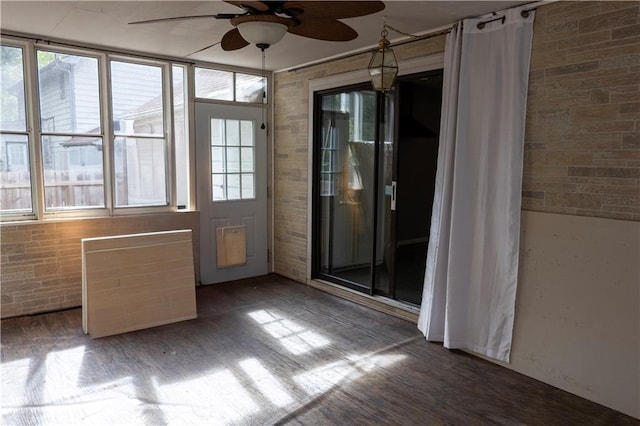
[(435, 33), (524, 13)]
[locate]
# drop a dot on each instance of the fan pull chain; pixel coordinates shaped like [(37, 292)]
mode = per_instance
[(264, 93)]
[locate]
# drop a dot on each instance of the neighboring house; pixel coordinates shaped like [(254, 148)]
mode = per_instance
[(72, 158)]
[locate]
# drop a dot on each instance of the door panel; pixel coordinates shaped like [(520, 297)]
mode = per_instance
[(385, 235), (232, 189), (417, 155), (345, 188), (371, 232)]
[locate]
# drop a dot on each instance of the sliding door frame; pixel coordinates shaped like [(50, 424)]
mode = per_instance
[(341, 82), (316, 147)]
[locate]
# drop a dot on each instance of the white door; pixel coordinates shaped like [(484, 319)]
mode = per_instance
[(232, 192)]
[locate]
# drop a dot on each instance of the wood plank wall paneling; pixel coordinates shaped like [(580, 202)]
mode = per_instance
[(132, 282)]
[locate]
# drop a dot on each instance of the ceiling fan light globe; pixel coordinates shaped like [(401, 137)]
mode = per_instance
[(261, 32)]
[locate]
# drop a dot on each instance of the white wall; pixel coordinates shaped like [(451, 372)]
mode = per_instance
[(578, 307)]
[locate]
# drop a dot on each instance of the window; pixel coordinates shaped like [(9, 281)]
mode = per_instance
[(87, 132), (72, 154), (15, 169), (214, 84), (232, 159), (140, 144), (249, 88), (229, 86)]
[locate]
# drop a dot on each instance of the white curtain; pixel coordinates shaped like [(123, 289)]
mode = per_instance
[(472, 261)]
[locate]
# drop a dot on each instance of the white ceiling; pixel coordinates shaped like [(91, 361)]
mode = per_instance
[(105, 23)]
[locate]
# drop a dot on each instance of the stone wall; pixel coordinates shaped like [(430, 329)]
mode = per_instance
[(40, 262), (582, 146), (582, 160), (582, 150), (291, 109)]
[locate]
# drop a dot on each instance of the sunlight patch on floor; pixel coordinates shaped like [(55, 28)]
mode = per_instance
[(61, 372), (217, 398), (14, 375), (267, 383), (322, 379), (296, 338)]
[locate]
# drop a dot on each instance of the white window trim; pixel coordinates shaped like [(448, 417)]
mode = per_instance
[(74, 212), (33, 132)]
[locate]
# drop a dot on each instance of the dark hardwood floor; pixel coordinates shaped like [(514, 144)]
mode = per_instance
[(266, 351)]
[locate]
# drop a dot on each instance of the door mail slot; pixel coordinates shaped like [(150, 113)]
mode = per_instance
[(231, 246)]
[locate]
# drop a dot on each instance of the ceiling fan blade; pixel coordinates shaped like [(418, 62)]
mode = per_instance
[(204, 48), (232, 40), (324, 29), (178, 18), (332, 9), (252, 6)]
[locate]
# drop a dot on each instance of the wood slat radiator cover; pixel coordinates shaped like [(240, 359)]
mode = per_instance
[(132, 282)]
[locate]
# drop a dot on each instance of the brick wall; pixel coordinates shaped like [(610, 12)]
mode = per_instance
[(291, 109), (582, 150), (40, 262)]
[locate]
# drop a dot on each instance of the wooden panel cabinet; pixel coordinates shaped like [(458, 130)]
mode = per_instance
[(132, 282)]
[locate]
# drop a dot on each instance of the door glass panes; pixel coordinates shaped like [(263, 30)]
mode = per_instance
[(384, 242), (140, 147), (15, 166), (214, 84), (232, 160), (72, 155), (347, 185)]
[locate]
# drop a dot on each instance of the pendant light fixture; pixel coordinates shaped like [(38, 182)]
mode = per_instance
[(383, 67)]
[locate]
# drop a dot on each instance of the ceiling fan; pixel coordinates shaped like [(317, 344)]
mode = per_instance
[(264, 23)]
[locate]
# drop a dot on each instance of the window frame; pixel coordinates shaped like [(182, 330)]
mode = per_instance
[(29, 132), (264, 101), (34, 133), (167, 135), (31, 44), (76, 212)]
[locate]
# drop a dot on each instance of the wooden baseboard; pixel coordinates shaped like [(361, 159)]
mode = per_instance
[(381, 304)]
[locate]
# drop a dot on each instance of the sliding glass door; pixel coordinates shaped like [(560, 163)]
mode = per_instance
[(353, 151), (375, 158)]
